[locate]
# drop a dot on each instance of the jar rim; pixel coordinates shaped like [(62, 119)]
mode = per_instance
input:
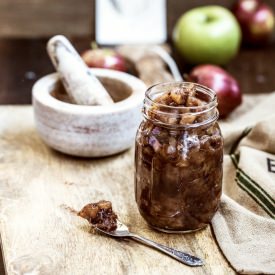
[(183, 84)]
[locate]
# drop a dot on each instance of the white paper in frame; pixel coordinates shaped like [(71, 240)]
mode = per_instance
[(130, 22)]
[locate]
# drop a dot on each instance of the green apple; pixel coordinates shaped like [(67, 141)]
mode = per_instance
[(209, 34)]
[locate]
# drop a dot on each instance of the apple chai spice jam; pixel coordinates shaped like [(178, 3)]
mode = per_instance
[(178, 157)]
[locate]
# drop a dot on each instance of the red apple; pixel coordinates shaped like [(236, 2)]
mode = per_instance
[(256, 19), (225, 85), (104, 58)]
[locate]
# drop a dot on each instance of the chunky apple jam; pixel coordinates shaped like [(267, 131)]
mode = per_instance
[(178, 158), (100, 214)]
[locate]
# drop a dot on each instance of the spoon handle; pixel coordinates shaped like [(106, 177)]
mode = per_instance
[(178, 255)]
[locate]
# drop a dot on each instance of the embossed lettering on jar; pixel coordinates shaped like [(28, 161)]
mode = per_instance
[(178, 158)]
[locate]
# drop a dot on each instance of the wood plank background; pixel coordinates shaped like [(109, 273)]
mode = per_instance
[(43, 18), (40, 18)]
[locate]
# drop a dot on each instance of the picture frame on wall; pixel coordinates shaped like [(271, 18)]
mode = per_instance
[(130, 22)]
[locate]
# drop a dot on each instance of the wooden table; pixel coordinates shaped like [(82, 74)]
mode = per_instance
[(37, 187), (24, 61)]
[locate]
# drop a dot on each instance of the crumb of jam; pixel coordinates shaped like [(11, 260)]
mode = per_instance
[(100, 215)]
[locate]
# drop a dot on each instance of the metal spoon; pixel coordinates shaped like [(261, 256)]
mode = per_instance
[(185, 258)]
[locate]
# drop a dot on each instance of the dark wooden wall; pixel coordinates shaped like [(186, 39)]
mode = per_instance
[(43, 18)]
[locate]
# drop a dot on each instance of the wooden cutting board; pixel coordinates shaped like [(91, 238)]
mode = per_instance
[(40, 235)]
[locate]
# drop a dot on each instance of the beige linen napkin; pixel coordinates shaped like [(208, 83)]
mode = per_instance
[(244, 225)]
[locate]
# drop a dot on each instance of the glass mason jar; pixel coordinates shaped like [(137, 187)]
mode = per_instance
[(178, 157)]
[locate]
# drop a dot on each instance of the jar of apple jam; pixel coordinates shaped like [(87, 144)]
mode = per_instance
[(178, 157)]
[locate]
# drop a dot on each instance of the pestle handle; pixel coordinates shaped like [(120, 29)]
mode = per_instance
[(80, 83)]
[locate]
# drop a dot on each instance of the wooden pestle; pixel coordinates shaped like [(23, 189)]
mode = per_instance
[(80, 83)]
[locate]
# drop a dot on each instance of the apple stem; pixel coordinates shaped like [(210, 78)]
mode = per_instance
[(94, 45)]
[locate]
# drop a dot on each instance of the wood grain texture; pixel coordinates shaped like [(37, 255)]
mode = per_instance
[(40, 18), (39, 233)]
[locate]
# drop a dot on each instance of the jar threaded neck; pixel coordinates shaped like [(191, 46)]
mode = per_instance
[(162, 105)]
